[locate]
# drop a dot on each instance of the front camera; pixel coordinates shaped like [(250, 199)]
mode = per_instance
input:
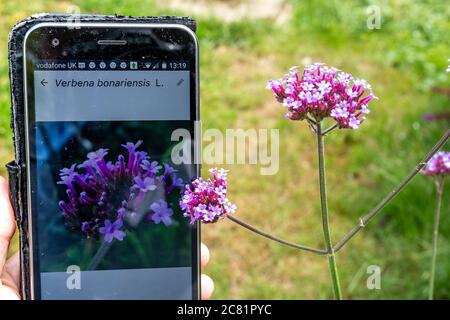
[(55, 42)]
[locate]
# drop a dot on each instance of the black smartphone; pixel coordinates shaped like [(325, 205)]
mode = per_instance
[(104, 108)]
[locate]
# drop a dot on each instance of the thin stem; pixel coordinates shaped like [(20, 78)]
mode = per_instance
[(274, 238), (312, 125), (437, 213), (327, 131), (365, 219), (309, 119), (324, 208), (101, 252)]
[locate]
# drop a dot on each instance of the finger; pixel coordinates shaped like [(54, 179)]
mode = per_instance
[(12, 267), (8, 291), (7, 224), (204, 255), (9, 286), (207, 287)]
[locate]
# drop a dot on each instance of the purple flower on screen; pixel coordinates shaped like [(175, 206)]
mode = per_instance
[(146, 184), (168, 170), (131, 147), (152, 168), (161, 213), (99, 191), (112, 230), (68, 171), (99, 154)]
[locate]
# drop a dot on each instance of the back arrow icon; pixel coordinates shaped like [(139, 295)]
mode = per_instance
[(43, 82)]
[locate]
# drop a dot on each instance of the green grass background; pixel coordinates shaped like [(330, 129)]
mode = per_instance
[(403, 60)]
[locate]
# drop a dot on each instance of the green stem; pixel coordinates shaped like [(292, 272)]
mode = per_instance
[(364, 220), (324, 210), (274, 238), (437, 213)]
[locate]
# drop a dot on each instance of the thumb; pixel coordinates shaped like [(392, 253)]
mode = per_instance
[(7, 223)]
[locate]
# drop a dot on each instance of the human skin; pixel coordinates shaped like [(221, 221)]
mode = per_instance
[(10, 268)]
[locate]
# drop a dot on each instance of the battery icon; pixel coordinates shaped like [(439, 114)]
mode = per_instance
[(163, 65)]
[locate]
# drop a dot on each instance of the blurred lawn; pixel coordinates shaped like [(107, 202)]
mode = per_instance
[(402, 61)]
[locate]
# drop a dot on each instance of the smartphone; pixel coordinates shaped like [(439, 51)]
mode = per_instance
[(102, 104)]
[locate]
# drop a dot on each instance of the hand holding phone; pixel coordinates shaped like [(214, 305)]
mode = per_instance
[(9, 268)]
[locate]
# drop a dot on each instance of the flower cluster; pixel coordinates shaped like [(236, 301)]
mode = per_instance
[(206, 200), (102, 196), (322, 91), (438, 165)]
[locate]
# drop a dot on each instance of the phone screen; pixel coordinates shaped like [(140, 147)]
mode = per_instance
[(103, 184)]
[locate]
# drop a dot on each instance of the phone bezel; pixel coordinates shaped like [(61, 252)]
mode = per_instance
[(193, 59)]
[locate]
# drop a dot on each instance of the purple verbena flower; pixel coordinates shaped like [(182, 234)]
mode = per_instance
[(438, 165), (121, 213), (161, 212), (99, 154), (176, 183), (68, 171), (321, 92), (112, 230), (168, 170), (131, 147), (152, 168), (146, 184), (100, 191), (206, 200)]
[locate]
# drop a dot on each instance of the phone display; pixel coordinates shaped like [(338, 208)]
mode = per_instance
[(102, 105)]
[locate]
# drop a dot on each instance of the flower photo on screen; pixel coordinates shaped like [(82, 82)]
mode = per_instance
[(108, 195), (104, 198)]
